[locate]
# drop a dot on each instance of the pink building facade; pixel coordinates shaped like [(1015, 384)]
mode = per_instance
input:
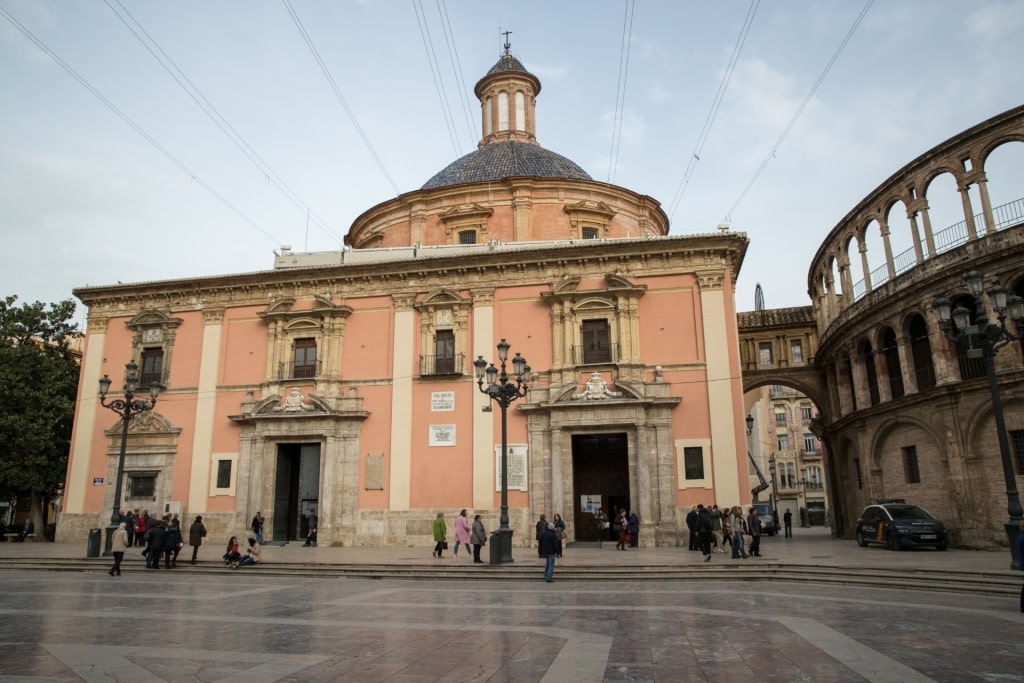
[(342, 385)]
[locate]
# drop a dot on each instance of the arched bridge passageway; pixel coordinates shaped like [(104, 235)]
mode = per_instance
[(778, 346)]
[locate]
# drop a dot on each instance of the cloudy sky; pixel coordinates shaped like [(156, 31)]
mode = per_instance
[(146, 141)]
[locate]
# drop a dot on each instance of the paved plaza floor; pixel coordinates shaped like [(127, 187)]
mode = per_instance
[(243, 626)]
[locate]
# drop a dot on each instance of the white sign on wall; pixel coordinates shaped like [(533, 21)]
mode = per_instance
[(516, 467), (442, 401), (442, 435)]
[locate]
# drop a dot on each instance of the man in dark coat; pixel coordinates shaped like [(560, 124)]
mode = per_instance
[(705, 529), (155, 545), (691, 524), (196, 533), (550, 548)]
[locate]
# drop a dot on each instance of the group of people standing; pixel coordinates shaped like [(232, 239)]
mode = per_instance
[(162, 540), (466, 534), (724, 528)]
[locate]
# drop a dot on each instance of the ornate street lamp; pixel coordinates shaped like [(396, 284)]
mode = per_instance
[(750, 424), (503, 391), (127, 408), (982, 340)]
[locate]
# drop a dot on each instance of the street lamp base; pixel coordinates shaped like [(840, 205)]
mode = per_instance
[(1012, 529), (501, 547)]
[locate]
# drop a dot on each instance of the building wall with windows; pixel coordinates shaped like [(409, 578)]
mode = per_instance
[(342, 384)]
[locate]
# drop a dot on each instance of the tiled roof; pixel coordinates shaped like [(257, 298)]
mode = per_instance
[(772, 317), (508, 63), (506, 159)]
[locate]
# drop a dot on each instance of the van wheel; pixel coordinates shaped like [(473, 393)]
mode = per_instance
[(860, 539), (942, 547)]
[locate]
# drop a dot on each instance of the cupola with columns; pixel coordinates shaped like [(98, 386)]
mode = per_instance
[(507, 95)]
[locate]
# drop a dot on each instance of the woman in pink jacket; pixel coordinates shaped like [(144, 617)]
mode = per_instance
[(462, 533)]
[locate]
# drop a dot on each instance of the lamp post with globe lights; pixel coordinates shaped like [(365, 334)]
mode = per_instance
[(983, 340), (503, 390), (126, 407)]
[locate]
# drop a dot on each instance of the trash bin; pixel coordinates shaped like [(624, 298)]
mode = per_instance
[(92, 546), (495, 544)]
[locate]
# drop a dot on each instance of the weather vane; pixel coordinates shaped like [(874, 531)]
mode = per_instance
[(507, 44)]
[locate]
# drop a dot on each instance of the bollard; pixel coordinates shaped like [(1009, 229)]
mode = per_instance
[(92, 547)]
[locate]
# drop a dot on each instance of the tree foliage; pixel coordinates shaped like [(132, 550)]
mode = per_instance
[(38, 385)]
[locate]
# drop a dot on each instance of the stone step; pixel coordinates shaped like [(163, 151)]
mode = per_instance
[(976, 583)]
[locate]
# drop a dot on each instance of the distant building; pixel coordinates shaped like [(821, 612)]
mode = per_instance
[(342, 384)]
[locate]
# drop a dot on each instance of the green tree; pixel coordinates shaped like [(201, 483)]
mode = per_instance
[(38, 386)]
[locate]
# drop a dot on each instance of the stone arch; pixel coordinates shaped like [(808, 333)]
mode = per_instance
[(908, 438)]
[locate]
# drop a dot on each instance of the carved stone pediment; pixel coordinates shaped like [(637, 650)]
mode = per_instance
[(596, 389)]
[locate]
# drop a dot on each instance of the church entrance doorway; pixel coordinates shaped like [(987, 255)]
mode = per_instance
[(600, 479), (296, 490)]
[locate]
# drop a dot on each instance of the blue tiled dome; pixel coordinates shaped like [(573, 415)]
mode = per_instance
[(508, 159)]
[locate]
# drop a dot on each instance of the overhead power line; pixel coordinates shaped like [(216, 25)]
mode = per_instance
[(709, 121), (435, 72), (460, 81), (620, 91), (800, 109), (134, 126), (214, 115), (337, 93)]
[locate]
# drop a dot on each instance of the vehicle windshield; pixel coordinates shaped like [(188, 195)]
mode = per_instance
[(763, 509), (907, 512)]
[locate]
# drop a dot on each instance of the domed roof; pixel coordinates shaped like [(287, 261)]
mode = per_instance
[(507, 159)]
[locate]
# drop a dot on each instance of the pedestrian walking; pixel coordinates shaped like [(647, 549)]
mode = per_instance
[(141, 528), (478, 537), (311, 533), (119, 544), (634, 529), (691, 526), (129, 526), (787, 523), (754, 531), (550, 548), (196, 534), (172, 544), (716, 528), (621, 527), (542, 524), (704, 531), (559, 528), (155, 545), (461, 533), (736, 524), (440, 533)]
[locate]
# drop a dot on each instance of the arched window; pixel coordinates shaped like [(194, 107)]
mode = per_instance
[(488, 116), (520, 111), (867, 356), (921, 353), (892, 362), (502, 111)]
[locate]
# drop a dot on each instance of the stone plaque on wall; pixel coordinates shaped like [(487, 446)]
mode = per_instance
[(373, 479), (442, 435), (516, 467)]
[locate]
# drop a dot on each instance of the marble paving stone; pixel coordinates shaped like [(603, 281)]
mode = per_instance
[(78, 627)]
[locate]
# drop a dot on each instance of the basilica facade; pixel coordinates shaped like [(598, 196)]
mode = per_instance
[(341, 385)]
